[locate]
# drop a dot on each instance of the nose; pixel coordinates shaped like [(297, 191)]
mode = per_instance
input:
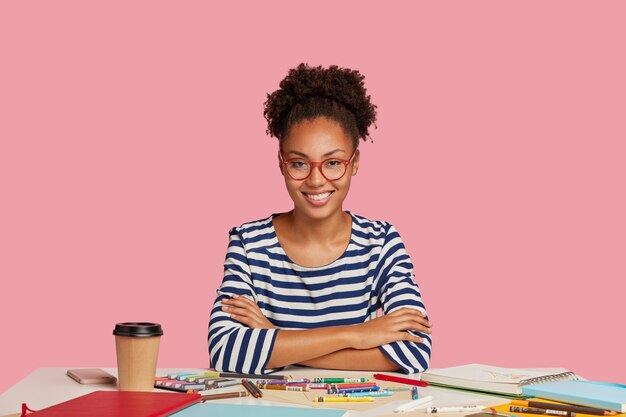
[(316, 178)]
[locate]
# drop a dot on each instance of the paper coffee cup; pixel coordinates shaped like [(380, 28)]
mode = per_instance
[(137, 347)]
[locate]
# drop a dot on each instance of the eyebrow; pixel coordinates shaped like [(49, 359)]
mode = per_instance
[(302, 154)]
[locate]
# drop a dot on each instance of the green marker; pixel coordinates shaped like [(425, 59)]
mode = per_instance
[(338, 380)]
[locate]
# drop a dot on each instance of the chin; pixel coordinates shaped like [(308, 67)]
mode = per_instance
[(318, 213)]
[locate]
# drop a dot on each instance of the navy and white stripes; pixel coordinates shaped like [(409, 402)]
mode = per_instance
[(374, 272)]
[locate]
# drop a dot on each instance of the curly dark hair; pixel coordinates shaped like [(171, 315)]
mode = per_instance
[(310, 92)]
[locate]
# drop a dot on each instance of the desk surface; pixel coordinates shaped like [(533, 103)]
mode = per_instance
[(48, 386)]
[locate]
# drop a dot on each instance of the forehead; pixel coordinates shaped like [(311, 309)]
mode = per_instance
[(317, 137)]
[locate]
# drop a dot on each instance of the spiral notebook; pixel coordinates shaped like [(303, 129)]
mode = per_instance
[(495, 380)]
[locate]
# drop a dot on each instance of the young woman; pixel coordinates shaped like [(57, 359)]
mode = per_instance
[(304, 287)]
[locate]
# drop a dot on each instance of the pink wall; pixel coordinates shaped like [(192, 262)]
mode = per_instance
[(132, 139)]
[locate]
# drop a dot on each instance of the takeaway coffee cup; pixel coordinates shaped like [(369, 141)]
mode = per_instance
[(137, 347)]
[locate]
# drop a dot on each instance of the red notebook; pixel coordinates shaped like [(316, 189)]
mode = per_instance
[(121, 404)]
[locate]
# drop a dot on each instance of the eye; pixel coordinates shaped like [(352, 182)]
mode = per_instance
[(333, 163), (298, 164)]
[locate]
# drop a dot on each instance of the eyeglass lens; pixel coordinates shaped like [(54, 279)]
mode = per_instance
[(332, 169)]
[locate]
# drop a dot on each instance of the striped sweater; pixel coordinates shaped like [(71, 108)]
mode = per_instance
[(374, 273)]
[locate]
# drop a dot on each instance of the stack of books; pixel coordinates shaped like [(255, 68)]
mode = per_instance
[(556, 384)]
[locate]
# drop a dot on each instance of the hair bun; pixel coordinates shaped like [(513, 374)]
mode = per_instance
[(304, 84)]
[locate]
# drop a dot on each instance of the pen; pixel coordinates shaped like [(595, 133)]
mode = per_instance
[(393, 378), (224, 395), (414, 394), (533, 410), (412, 405), (565, 407), (458, 409), (342, 399), (494, 412)]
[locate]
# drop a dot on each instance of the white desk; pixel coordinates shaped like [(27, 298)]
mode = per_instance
[(48, 386)]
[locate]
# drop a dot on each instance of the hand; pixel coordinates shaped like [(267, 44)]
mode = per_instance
[(389, 328), (245, 311)]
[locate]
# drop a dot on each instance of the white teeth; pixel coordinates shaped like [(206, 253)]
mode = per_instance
[(318, 196)]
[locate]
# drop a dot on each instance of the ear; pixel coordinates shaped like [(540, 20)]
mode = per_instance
[(355, 162)]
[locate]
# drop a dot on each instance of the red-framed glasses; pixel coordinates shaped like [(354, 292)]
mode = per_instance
[(332, 169)]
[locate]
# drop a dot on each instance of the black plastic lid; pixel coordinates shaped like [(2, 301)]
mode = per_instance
[(138, 329)]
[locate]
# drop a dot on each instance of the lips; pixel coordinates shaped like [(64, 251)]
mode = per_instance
[(318, 196)]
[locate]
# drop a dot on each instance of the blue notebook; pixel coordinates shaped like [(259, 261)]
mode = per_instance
[(592, 394), (214, 409)]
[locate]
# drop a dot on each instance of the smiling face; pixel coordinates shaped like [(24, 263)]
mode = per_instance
[(315, 141)]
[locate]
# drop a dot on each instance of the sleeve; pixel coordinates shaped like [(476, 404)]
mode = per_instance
[(234, 347), (397, 289)]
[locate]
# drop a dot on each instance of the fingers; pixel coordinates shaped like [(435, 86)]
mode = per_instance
[(245, 311), (241, 306), (409, 319), (386, 329), (410, 337), (250, 319), (239, 300)]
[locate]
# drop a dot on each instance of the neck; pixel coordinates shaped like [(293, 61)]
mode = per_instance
[(319, 230)]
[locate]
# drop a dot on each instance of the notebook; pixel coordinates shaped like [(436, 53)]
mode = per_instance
[(592, 394), (121, 404), (493, 379)]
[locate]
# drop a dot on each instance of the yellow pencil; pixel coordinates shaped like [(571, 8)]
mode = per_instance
[(342, 399)]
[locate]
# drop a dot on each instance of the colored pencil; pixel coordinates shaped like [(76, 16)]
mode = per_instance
[(246, 376), (252, 389), (283, 387), (565, 407), (227, 383), (353, 385), (351, 390), (284, 381), (339, 380), (342, 399), (383, 393), (224, 395)]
